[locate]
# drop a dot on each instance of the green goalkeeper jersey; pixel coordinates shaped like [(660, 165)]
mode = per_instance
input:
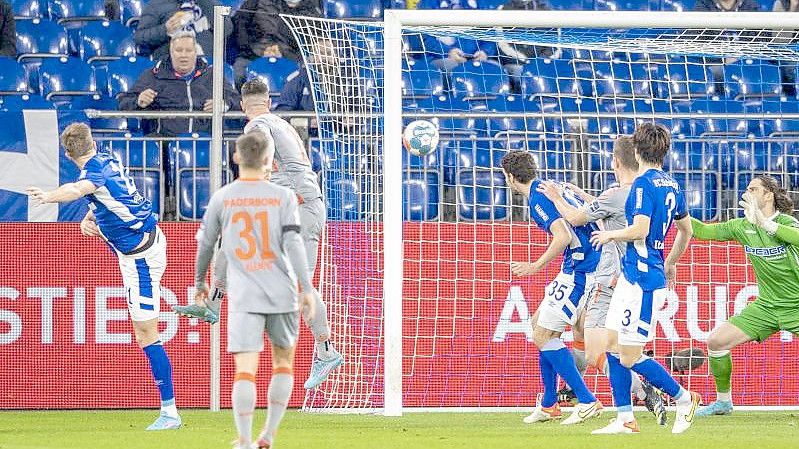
[(774, 258)]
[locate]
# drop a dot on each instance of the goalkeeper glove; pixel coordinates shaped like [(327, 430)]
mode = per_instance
[(754, 215)]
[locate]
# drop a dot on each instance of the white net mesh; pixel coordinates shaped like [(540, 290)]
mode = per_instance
[(564, 95)]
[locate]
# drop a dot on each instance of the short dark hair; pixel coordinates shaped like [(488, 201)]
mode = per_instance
[(254, 87), (624, 151), (252, 149), (652, 142), (520, 164), (782, 202)]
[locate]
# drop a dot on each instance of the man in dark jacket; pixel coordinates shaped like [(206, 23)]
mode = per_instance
[(162, 19), (8, 34), (181, 82), (296, 93), (261, 32)]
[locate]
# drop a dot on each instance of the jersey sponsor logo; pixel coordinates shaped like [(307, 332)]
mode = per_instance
[(594, 206), (750, 231), (765, 252), (540, 211), (662, 182)]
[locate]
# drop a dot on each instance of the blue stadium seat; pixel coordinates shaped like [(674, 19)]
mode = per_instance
[(40, 39), (65, 11), (421, 80), (447, 104), (13, 79), (710, 126), (622, 80), (482, 195), (507, 124), (194, 191), (148, 183), (686, 80), (20, 102), (676, 5), (550, 77), (752, 78), (66, 77), (701, 193), (272, 71), (130, 11), (105, 41), (693, 155), (29, 9), (123, 73), (475, 80), (319, 160), (420, 197), (133, 152), (345, 9), (230, 76), (188, 163), (343, 196)]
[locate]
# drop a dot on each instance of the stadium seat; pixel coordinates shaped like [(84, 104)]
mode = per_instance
[(189, 158), (621, 80), (105, 41), (476, 80), (701, 193), (505, 125), (66, 11), (130, 11), (272, 71), (346, 9), (40, 39), (20, 102), (66, 77), (693, 155), (134, 152), (482, 195), (447, 104), (13, 79), (319, 160), (29, 9), (123, 73), (193, 190), (713, 126), (550, 77), (230, 76), (148, 183), (343, 197), (420, 195), (686, 80), (421, 80), (676, 5), (752, 78)]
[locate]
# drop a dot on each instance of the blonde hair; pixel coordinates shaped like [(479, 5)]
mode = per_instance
[(256, 149), (77, 140), (183, 35)]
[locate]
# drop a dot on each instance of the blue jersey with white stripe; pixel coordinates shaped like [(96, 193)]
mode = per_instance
[(579, 256), (122, 213), (656, 195)]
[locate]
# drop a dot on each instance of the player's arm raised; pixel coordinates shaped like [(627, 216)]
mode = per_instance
[(575, 216), (207, 236), (754, 215), (64, 194), (720, 232), (561, 237)]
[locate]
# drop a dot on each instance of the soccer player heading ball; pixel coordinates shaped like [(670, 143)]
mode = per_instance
[(770, 237), (260, 225), (120, 215)]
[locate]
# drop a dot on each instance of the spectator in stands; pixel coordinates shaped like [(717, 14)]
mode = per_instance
[(163, 19), (450, 52), (787, 69), (296, 93), (259, 30), (180, 82), (8, 33), (513, 57)]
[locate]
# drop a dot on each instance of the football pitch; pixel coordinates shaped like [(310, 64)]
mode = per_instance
[(203, 429)]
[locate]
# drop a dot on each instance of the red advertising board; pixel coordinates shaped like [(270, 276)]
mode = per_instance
[(66, 342)]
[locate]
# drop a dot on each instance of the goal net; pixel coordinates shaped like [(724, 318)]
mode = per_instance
[(564, 93)]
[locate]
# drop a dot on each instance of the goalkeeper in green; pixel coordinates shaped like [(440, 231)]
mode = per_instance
[(770, 237)]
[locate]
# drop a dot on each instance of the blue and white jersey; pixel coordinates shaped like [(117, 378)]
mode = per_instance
[(122, 213), (656, 195), (579, 256)]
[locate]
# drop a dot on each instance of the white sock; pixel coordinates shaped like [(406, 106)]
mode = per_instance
[(325, 350), (683, 397), (279, 392), (626, 416), (243, 397), (170, 409), (724, 397)]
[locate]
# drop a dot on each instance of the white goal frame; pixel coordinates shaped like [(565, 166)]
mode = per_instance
[(394, 20)]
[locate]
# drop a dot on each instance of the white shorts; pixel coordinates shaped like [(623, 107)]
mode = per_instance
[(563, 299), (632, 312), (141, 276)]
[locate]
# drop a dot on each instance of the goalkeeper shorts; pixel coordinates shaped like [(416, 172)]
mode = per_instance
[(761, 320)]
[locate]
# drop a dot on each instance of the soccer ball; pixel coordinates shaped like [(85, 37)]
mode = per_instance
[(420, 137)]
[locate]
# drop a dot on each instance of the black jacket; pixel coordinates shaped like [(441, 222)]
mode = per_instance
[(151, 35), (258, 25), (8, 31), (522, 53), (176, 94)]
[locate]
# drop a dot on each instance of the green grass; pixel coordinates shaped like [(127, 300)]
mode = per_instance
[(203, 429)]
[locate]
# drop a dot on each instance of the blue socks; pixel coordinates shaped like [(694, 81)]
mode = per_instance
[(550, 379), (621, 380), (560, 358), (657, 376), (162, 372)]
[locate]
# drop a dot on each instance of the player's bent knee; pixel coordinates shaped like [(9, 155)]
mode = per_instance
[(717, 342), (629, 359)]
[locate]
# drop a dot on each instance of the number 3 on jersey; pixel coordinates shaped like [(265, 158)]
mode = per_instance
[(248, 246)]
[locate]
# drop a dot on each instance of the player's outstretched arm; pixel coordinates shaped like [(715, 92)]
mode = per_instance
[(561, 237), (64, 194), (553, 192), (678, 248), (639, 230), (720, 232)]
